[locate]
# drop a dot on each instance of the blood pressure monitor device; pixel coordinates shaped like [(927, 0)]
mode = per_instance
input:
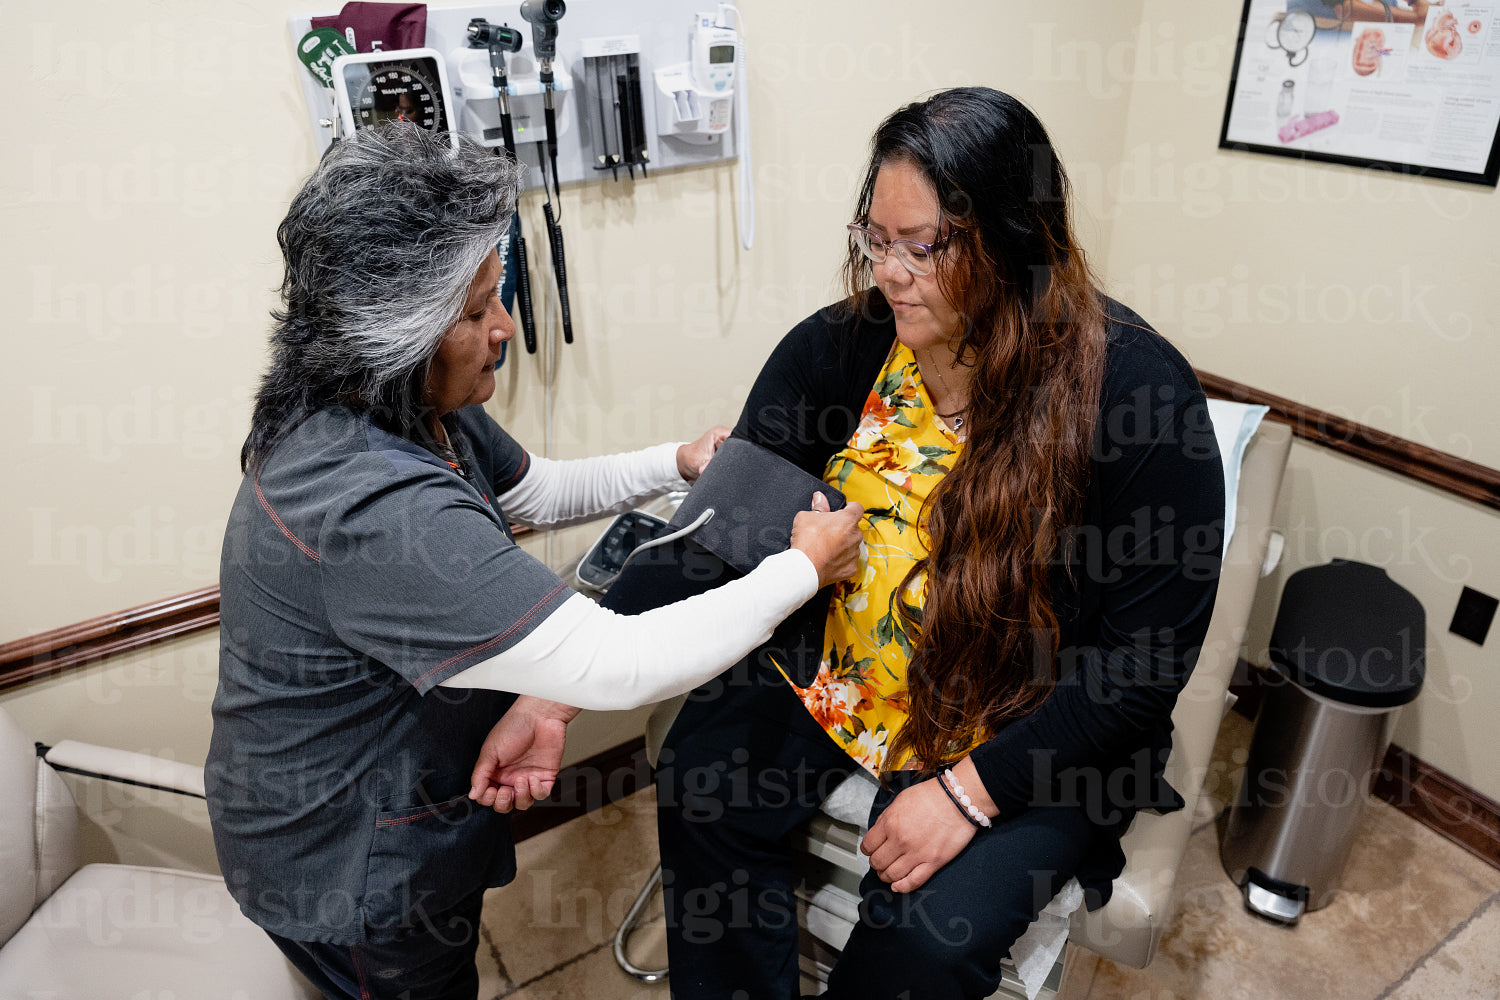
[(393, 85), (624, 535)]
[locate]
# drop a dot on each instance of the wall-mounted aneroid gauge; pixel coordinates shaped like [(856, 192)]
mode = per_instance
[(394, 85)]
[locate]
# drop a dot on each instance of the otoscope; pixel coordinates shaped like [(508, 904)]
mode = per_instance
[(543, 16), (501, 39)]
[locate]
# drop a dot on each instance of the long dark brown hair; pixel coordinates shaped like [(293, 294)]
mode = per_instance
[(985, 642)]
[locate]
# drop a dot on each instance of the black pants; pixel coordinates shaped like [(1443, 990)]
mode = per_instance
[(743, 767), (433, 962)]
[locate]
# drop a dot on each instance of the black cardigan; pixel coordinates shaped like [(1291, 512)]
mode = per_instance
[(1133, 615)]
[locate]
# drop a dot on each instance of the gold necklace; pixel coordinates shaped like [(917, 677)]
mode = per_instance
[(956, 416)]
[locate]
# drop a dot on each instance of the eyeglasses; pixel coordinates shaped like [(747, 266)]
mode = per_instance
[(915, 257)]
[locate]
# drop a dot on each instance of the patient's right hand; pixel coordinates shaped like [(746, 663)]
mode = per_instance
[(829, 539)]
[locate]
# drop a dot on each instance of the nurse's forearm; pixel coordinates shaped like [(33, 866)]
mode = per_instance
[(584, 655), (556, 494), (541, 708)]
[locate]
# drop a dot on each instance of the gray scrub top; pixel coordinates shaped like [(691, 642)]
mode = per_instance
[(359, 571)]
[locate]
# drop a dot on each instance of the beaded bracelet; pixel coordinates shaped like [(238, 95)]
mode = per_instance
[(957, 804), (962, 800)]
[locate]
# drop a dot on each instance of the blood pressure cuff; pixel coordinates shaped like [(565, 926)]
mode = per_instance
[(755, 495), (393, 25)]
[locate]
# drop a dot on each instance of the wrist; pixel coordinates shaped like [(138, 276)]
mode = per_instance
[(961, 813), (956, 793), (541, 708), (684, 459), (968, 776), (811, 579)]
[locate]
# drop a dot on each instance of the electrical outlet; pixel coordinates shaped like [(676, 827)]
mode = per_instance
[(1474, 615)]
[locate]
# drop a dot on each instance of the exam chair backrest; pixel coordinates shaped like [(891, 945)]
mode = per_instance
[(1128, 930)]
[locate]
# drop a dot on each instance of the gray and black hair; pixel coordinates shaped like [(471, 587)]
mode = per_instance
[(381, 246)]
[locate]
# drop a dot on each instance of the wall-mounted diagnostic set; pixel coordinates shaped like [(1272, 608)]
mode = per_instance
[(576, 90), (631, 83)]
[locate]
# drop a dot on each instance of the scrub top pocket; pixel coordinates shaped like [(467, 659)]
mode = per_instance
[(424, 860)]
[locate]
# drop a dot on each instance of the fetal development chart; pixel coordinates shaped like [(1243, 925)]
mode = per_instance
[(1402, 83)]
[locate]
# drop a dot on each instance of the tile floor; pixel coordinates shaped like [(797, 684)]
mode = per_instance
[(1417, 918)]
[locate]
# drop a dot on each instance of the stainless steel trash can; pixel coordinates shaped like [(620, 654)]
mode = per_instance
[(1347, 651)]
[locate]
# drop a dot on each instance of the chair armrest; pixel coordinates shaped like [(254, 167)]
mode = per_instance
[(124, 766)]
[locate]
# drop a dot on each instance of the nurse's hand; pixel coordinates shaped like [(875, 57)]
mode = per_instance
[(831, 541), (693, 457), (520, 758)]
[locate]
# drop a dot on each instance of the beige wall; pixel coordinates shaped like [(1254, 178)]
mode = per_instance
[(141, 201), (1349, 290)]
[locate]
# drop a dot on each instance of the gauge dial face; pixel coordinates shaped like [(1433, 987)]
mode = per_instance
[(1297, 30), (399, 92)]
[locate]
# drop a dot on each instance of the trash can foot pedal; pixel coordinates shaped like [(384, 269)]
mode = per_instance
[(1274, 899)]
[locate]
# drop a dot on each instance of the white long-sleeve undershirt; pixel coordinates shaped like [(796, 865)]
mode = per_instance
[(561, 493), (590, 657)]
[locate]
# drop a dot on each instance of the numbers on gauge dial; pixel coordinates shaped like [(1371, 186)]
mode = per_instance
[(399, 93)]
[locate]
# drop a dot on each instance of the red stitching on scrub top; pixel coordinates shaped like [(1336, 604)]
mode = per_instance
[(295, 540), (516, 476), (429, 811), (520, 623)]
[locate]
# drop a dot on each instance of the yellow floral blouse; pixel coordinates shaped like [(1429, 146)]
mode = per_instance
[(898, 454)]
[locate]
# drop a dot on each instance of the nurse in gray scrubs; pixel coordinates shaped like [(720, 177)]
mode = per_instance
[(380, 628)]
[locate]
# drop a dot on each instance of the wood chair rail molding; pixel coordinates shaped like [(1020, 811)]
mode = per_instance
[(48, 653), (1449, 473)]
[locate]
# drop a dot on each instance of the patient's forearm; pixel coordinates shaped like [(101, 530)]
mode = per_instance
[(584, 655), (556, 494)]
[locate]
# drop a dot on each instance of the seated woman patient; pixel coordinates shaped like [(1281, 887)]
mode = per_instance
[(1044, 511), (378, 619)]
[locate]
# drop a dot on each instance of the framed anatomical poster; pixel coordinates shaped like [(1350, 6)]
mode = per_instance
[(1407, 85)]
